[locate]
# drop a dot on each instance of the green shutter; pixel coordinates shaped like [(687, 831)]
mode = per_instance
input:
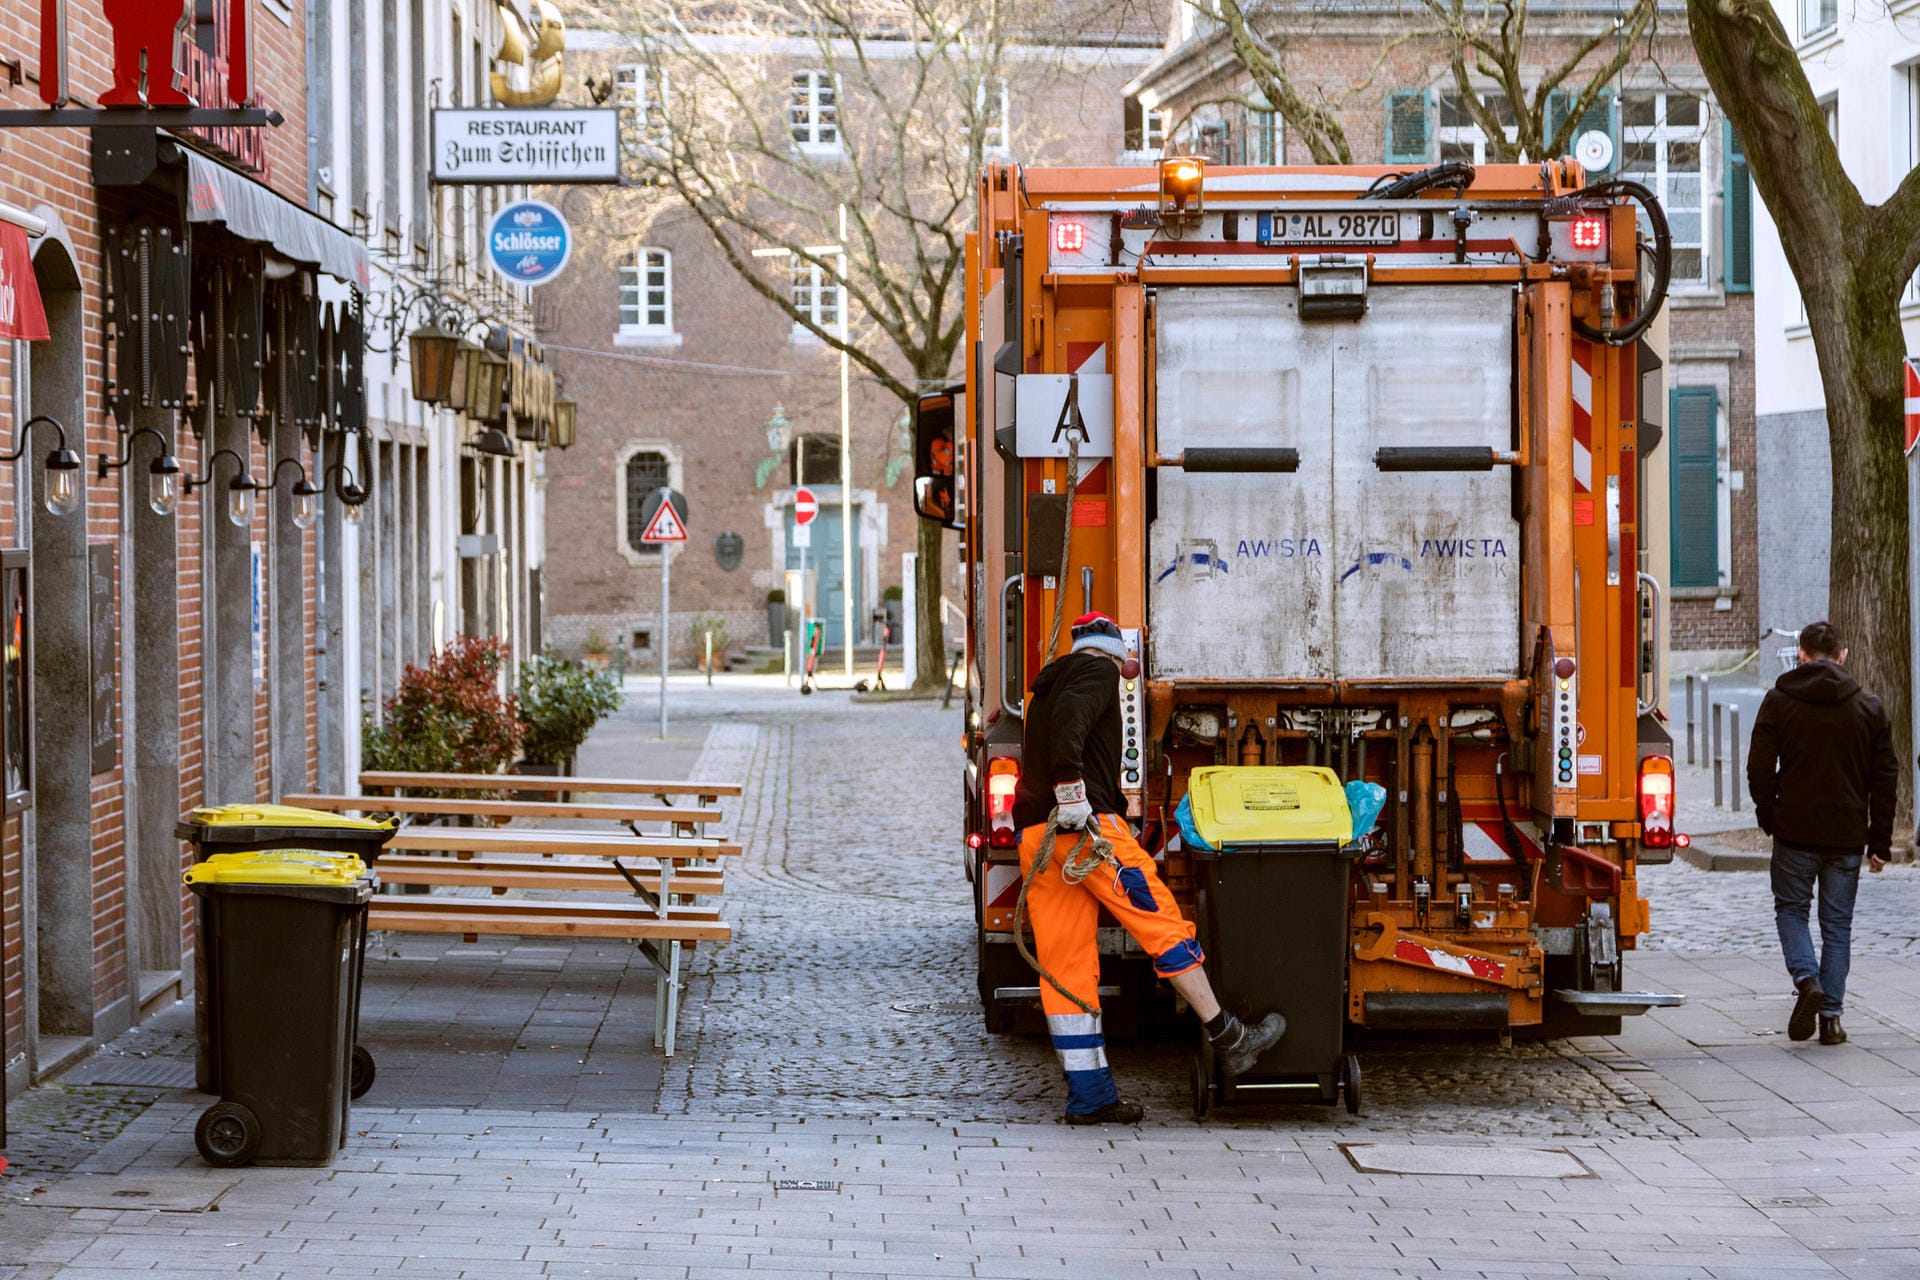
[(1409, 127), (1693, 423), (1739, 211), (1601, 115)]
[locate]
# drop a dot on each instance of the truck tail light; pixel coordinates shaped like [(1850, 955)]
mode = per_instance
[(1003, 779), (1656, 803)]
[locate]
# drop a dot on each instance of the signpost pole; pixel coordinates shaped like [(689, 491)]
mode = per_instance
[(846, 478), (666, 629)]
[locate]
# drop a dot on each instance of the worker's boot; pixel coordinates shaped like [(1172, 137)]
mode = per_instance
[(1119, 1111), (1831, 1032), (1238, 1046), (1806, 1008)]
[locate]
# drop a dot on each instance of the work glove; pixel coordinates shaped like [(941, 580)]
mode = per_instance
[(1071, 812)]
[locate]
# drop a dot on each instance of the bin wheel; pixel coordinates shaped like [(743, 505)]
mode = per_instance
[(1350, 1083), (227, 1135), (361, 1078), (1202, 1088)]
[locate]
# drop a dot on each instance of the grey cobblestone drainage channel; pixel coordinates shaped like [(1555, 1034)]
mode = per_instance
[(185, 1194)]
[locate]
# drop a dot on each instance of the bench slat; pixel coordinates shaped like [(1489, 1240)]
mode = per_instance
[(539, 919), (476, 840), (536, 873), (533, 782), (504, 808)]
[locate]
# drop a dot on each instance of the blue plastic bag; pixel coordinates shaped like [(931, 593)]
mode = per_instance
[(1190, 834), (1365, 800)]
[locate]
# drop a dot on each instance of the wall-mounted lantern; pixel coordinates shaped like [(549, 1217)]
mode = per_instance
[(63, 465), (564, 414), (163, 473), (240, 489), (430, 351)]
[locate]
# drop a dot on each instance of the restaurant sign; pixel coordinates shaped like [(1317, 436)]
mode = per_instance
[(496, 145)]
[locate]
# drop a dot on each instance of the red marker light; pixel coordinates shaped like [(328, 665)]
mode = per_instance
[(973, 840), (1069, 237), (1656, 804), (1563, 667), (1589, 233)]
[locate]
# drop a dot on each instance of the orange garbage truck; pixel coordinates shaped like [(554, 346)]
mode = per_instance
[(1366, 465)]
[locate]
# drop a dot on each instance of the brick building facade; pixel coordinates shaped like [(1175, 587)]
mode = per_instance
[(678, 365), (1391, 91)]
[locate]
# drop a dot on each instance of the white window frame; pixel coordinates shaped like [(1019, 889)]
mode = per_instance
[(643, 103), (817, 285), (1153, 129), (1662, 136), (808, 125), (1813, 21), (1470, 135), (996, 131), (635, 283), (1262, 124)]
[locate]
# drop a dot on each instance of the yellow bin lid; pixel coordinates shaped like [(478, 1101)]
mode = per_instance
[(1249, 804), (278, 866), (280, 815)]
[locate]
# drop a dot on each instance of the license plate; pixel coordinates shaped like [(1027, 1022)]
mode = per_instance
[(1320, 228)]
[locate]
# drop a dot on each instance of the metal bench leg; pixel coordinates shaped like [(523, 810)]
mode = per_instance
[(666, 1001)]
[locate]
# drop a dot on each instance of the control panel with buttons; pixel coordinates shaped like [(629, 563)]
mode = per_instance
[(1564, 721), (1133, 716)]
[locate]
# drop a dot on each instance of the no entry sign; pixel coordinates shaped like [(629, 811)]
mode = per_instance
[(805, 506), (1912, 376)]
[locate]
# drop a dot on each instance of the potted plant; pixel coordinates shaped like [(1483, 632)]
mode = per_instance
[(595, 650), (891, 602), (776, 617), (448, 716), (707, 627), (559, 703)]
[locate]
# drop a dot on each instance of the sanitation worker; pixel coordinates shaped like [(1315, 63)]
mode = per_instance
[(1071, 774)]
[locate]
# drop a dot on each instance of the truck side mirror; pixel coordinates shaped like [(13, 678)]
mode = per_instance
[(935, 495)]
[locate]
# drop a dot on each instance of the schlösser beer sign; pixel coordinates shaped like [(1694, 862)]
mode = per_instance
[(528, 242), (545, 145)]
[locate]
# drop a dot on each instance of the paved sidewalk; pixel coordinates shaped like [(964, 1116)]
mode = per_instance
[(836, 1042)]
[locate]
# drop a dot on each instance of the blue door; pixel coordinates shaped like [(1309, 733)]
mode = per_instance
[(823, 561)]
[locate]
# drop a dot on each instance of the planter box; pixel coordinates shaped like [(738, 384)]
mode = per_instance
[(533, 770)]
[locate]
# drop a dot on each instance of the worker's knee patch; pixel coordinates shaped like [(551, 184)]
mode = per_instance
[(1179, 958), (1133, 882)]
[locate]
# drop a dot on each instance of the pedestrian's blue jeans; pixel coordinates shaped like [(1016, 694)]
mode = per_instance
[(1795, 872)]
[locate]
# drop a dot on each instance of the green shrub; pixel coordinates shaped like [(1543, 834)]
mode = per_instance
[(893, 593), (560, 702), (777, 596)]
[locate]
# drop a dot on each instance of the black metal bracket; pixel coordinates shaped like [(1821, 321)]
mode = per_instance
[(142, 118)]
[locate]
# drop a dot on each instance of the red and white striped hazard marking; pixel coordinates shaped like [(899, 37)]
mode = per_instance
[(1582, 380), (1003, 885), (1407, 951)]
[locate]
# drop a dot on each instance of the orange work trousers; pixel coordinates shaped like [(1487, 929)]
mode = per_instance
[(1066, 920)]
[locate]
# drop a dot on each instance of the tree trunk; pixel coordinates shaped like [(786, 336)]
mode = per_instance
[(930, 673), (1861, 347)]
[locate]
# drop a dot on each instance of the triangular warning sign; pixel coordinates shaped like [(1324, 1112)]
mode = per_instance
[(665, 526)]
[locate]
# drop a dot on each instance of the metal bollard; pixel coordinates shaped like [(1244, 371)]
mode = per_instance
[(709, 635), (1690, 684), (786, 655), (1734, 771), (1719, 759)]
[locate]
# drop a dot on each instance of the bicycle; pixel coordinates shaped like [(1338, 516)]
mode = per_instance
[(1788, 655)]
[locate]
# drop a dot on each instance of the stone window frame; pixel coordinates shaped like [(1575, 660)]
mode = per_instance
[(1714, 371), (622, 534)]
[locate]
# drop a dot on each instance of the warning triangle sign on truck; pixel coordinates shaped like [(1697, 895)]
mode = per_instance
[(665, 526)]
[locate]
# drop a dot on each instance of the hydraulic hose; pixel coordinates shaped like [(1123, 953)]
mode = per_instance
[(1656, 296), (1456, 175)]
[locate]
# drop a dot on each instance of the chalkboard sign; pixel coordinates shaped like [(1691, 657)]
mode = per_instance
[(103, 582)]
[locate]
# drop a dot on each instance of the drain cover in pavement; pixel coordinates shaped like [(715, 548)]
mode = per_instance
[(1808, 1201), (804, 1184), (1459, 1161), (102, 1191), (113, 1068)]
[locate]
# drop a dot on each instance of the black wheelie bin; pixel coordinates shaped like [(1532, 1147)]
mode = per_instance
[(1273, 903), (222, 831)]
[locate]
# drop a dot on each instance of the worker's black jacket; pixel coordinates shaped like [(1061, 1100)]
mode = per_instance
[(1072, 731), (1821, 770)]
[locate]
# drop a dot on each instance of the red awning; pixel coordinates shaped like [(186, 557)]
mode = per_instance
[(21, 315)]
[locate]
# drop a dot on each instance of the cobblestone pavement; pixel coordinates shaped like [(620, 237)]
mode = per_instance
[(836, 1041)]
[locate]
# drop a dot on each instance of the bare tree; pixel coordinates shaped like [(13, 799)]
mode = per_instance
[(797, 127), (1852, 261), (1492, 61)]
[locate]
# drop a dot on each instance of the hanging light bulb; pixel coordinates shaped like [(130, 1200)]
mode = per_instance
[(304, 510), (352, 512), (63, 482), (163, 484), (240, 501)]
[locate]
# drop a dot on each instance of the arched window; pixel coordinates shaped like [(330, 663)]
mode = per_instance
[(646, 471)]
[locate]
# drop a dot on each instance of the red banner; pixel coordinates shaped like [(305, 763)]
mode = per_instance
[(21, 315)]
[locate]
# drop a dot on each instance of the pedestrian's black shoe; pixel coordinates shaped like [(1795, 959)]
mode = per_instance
[(1118, 1111), (1239, 1046), (1806, 1009), (1831, 1032)]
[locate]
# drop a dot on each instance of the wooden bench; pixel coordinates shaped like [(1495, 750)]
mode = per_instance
[(668, 907)]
